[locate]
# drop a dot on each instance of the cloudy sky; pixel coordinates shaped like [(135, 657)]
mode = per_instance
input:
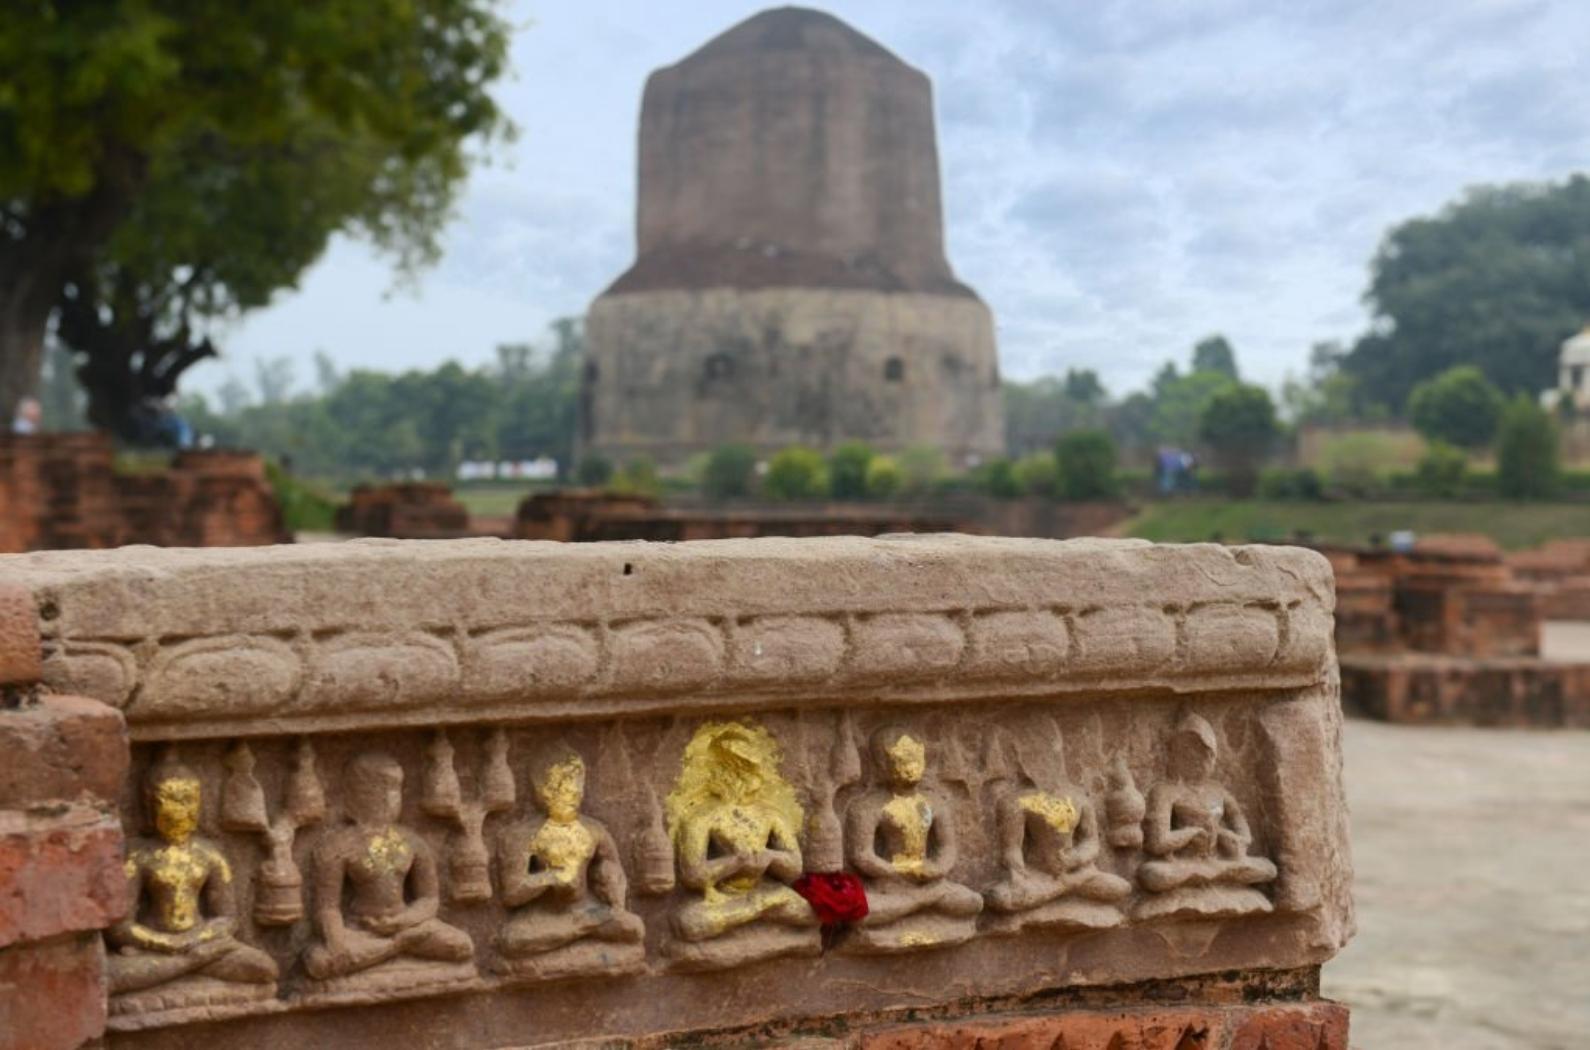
[(1120, 178)]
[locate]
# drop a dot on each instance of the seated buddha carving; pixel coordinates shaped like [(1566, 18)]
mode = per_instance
[(377, 893), (1197, 838), (735, 821), (180, 931), (562, 877), (901, 839), (1049, 843)]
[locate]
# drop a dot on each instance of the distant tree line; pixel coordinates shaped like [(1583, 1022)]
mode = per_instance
[(368, 424)]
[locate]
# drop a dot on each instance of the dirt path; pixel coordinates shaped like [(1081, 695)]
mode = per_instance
[(1472, 850)]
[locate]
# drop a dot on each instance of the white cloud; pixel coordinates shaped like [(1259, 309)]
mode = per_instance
[(1120, 178)]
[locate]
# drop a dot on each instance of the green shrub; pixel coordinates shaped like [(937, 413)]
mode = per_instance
[(796, 473), (1459, 406), (923, 467), (305, 507), (1526, 451), (594, 470), (847, 470), (1037, 474), (1239, 426), (884, 477), (1085, 465), (1286, 483), (1353, 464), (998, 478), (730, 472), (638, 477), (1442, 470)]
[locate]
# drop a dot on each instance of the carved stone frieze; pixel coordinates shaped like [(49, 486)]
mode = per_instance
[(573, 789)]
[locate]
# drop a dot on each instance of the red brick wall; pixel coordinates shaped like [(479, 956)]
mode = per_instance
[(60, 846), (61, 491)]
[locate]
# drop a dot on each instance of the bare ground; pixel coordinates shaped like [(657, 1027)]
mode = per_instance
[(1472, 850)]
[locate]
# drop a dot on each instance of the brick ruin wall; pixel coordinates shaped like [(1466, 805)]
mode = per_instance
[(487, 794), (410, 510), (62, 491), (1451, 633)]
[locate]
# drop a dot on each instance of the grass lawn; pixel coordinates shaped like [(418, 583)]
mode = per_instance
[(1513, 525), (492, 500)]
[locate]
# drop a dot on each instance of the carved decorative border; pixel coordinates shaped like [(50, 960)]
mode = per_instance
[(752, 624)]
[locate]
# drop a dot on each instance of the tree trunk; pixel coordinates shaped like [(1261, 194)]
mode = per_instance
[(24, 315), (57, 236)]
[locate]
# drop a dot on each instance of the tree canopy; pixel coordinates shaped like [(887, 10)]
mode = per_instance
[(172, 161), (1459, 406), (1526, 451), (1215, 354), (1497, 280), (1239, 426)]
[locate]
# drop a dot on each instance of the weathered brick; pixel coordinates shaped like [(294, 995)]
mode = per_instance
[(59, 873), (1300, 1026), (1289, 1026), (52, 995), (19, 636), (65, 748)]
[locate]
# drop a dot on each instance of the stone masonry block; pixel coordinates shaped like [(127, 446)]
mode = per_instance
[(64, 748), (19, 636)]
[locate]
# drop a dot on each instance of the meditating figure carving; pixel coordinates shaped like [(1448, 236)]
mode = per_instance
[(1197, 838), (377, 894), (901, 839), (734, 821), (1049, 841), (562, 874), (179, 937)]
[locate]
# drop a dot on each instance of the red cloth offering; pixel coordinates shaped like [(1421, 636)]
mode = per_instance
[(836, 896)]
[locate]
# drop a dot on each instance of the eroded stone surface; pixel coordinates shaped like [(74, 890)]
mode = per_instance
[(213, 641), (19, 636)]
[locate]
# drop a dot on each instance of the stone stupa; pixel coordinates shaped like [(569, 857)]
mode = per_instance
[(790, 282)]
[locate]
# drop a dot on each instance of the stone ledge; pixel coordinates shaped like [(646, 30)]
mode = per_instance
[(363, 635), (1236, 1010), (1288, 1026)]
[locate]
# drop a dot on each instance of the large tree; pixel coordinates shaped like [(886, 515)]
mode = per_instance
[(1215, 354), (171, 161), (1238, 425), (1496, 280)]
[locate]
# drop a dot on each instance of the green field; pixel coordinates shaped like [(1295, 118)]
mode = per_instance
[(1513, 525), (492, 500)]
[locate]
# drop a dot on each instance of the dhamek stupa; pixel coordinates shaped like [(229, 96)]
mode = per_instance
[(790, 283)]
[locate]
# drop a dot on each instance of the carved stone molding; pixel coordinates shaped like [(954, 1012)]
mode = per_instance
[(364, 635)]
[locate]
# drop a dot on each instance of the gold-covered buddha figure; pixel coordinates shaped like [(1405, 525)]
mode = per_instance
[(734, 822), (901, 839), (561, 876), (177, 948)]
